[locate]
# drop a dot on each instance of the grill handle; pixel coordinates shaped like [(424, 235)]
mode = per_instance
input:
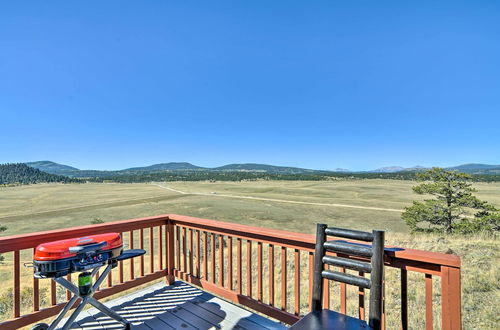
[(87, 248)]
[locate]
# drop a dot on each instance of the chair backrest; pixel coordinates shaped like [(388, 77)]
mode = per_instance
[(345, 254)]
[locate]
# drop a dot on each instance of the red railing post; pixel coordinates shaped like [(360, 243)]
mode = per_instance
[(451, 315), (170, 253)]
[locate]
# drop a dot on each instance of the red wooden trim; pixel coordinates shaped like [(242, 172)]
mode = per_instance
[(191, 252), (361, 300), (141, 246), (151, 251), (31, 240), (283, 278), (304, 241), (428, 302), (239, 270), (36, 293), (120, 268), (160, 247), (249, 268), (178, 246), (326, 291), (17, 284), (131, 246), (297, 282), (198, 256), (170, 253), (53, 293), (240, 299), (221, 261), (205, 251), (68, 293), (184, 247), (259, 271), (230, 263), (451, 314), (110, 279), (212, 254), (271, 274), (343, 294)]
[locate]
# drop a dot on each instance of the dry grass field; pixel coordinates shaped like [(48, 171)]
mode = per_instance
[(294, 206)]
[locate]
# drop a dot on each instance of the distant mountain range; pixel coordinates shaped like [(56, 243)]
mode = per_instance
[(60, 169)]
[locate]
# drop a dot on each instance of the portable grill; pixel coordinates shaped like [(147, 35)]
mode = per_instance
[(85, 255)]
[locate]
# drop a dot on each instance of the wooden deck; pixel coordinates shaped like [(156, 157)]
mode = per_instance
[(178, 306)]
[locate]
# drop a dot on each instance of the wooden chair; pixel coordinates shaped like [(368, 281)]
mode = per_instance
[(321, 318)]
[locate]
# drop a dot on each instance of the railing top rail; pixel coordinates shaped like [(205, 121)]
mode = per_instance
[(307, 240), (30, 240)]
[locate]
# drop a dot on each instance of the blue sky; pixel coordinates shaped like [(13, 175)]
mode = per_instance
[(317, 84)]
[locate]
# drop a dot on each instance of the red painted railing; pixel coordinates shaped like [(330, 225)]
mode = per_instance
[(264, 269)]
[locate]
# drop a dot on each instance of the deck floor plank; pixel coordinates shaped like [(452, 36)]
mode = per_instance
[(178, 306)]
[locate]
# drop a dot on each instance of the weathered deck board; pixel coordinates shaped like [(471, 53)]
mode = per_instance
[(179, 306)]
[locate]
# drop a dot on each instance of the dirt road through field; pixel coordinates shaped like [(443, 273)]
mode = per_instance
[(279, 200)]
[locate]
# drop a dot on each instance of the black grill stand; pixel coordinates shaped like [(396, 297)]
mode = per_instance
[(88, 299)]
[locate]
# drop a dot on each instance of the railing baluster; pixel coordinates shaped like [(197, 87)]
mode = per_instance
[(178, 246), (53, 293), (212, 236), (191, 252), (120, 267), (221, 261), (205, 253), (160, 247), (259, 271), (271, 274), (326, 291), (361, 300), (283, 278), (310, 276), (230, 262), (343, 295), (249, 268), (428, 302), (151, 251), (141, 246), (131, 246), (68, 293), (404, 299), (170, 252), (238, 265), (17, 284), (297, 282), (184, 254), (110, 279), (198, 271), (36, 292)]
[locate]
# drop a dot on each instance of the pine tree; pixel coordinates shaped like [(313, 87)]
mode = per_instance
[(453, 206)]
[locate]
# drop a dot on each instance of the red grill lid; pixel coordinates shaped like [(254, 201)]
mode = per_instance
[(60, 249)]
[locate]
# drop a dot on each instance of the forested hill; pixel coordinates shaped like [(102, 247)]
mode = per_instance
[(23, 174)]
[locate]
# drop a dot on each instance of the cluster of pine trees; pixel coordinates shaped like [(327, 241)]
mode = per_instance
[(20, 173)]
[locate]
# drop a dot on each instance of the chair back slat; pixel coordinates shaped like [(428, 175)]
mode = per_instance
[(346, 278), (348, 248), (348, 263), (349, 233)]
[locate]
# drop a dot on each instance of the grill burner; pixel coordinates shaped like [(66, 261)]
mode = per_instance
[(59, 258)]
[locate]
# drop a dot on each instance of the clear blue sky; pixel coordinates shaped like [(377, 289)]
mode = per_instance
[(317, 84)]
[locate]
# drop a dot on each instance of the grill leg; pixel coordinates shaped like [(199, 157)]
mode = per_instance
[(108, 311), (63, 312), (77, 311)]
